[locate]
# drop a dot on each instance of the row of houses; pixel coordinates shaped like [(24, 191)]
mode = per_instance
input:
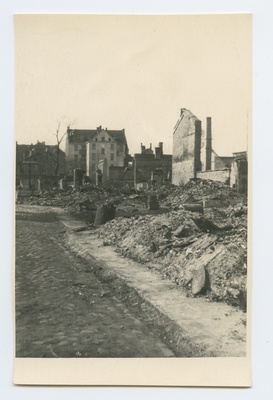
[(103, 155)]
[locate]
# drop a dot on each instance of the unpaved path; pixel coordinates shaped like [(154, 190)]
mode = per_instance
[(62, 309)]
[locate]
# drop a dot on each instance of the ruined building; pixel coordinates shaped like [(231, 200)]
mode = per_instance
[(238, 172), (38, 163), (152, 168), (193, 156), (186, 148)]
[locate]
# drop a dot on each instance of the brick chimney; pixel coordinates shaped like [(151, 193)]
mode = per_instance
[(159, 151), (208, 145), (197, 147), (142, 148), (161, 147)]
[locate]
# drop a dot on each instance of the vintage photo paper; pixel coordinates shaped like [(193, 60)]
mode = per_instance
[(133, 157)]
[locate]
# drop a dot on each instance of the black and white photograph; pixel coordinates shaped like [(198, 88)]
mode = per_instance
[(132, 181)]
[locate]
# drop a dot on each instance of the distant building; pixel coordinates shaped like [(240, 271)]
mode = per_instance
[(75, 148), (152, 168), (105, 149), (37, 161)]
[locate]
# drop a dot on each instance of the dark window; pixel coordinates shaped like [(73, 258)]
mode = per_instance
[(96, 139), (102, 139), (93, 146), (111, 156), (112, 146), (102, 150), (76, 157)]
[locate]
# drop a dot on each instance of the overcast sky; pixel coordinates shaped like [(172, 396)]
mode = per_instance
[(133, 72)]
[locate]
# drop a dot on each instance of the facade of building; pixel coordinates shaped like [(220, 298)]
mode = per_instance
[(87, 148), (75, 148), (152, 168), (105, 149)]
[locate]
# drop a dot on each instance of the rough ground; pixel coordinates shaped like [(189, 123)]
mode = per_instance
[(179, 243), (62, 309), (177, 325)]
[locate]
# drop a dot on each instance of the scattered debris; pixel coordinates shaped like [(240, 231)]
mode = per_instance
[(205, 254), (195, 235)]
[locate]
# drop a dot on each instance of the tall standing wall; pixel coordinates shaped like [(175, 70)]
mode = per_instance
[(186, 148)]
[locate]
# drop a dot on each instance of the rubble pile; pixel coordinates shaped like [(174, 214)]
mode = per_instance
[(202, 252), (196, 236), (88, 198), (200, 190), (43, 198)]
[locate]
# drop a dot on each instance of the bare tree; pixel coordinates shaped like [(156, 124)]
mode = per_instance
[(56, 158), (59, 141)]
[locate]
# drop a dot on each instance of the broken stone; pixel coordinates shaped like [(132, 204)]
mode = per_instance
[(152, 202), (171, 240), (186, 230), (207, 225), (80, 229), (198, 280), (104, 213), (195, 207)]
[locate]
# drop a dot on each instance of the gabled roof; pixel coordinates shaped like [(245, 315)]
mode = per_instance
[(188, 113), (119, 136), (24, 151), (80, 135), (84, 135)]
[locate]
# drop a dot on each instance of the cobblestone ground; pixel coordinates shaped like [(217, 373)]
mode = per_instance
[(62, 310)]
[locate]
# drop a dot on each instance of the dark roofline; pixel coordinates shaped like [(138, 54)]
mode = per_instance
[(84, 135)]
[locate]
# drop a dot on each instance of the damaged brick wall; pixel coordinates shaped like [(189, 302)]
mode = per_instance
[(239, 174), (150, 166), (186, 148), (216, 175), (119, 176)]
